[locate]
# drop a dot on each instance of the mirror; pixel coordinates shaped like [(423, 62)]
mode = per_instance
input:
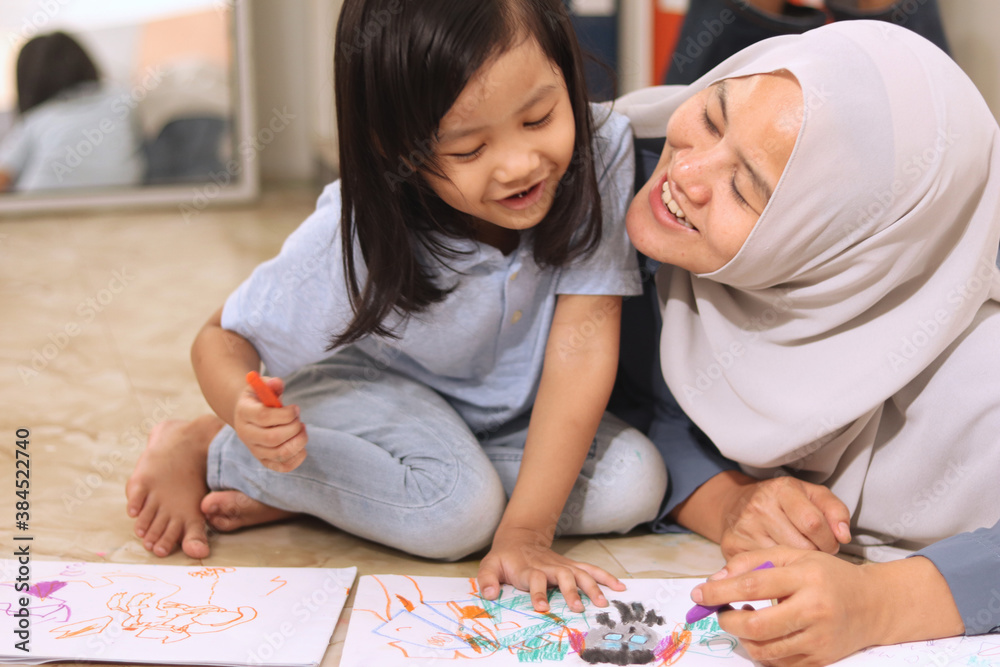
[(125, 103)]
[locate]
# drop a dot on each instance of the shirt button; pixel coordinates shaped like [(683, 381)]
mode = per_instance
[(513, 276), (516, 317)]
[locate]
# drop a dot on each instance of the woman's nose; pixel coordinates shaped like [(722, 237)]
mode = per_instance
[(693, 173)]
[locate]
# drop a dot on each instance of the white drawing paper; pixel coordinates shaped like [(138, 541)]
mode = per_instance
[(205, 615)]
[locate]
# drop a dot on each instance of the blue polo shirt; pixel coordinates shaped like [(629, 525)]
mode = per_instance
[(482, 347)]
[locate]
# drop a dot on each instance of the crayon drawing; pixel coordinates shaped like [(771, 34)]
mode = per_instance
[(169, 614), (427, 621), (416, 620)]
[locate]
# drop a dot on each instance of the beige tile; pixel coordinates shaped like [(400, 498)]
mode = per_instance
[(677, 555)]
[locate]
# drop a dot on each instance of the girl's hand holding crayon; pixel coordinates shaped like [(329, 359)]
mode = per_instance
[(524, 559), (271, 431)]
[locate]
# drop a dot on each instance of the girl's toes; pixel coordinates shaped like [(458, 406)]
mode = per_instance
[(155, 531), (195, 542), (171, 535), (146, 517)]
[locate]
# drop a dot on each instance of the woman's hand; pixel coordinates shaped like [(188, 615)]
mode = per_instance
[(784, 511), (275, 436), (828, 608), (524, 559)]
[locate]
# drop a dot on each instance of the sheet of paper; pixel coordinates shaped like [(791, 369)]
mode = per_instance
[(424, 621), (169, 614)]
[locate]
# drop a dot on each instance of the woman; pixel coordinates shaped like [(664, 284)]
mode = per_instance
[(830, 208)]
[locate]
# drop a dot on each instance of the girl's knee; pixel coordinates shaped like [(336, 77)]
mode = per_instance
[(460, 525), (464, 530), (626, 488)]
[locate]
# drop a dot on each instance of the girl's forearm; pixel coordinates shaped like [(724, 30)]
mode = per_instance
[(581, 360), (221, 360)]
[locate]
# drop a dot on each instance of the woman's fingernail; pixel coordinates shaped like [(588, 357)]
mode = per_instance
[(721, 574), (489, 592), (696, 595), (845, 531)]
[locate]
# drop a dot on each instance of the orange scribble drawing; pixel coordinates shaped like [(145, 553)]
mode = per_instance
[(277, 580), (149, 609)]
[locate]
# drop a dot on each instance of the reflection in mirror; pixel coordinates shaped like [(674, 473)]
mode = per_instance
[(105, 101)]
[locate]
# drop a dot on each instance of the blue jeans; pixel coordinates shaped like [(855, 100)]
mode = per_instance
[(391, 461), (713, 30)]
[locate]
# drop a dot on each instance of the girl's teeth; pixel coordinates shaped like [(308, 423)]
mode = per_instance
[(674, 207)]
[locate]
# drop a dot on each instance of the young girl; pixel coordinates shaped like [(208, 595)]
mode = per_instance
[(62, 106), (478, 229)]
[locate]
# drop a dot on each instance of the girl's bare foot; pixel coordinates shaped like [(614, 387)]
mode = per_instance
[(167, 486), (229, 510)]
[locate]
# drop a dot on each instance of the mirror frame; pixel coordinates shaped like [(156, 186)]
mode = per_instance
[(188, 197)]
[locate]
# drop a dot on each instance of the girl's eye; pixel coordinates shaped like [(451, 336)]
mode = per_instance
[(469, 156), (543, 122)]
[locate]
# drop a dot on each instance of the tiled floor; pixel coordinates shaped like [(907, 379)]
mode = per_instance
[(99, 311)]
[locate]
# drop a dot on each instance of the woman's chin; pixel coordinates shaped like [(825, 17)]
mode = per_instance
[(642, 232)]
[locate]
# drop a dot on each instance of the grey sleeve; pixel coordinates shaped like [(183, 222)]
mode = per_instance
[(291, 305), (970, 563), (611, 269)]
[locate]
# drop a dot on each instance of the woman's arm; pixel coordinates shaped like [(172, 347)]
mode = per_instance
[(5, 181), (221, 360), (581, 357)]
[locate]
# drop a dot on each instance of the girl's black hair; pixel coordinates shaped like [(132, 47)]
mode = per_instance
[(399, 67), (49, 64)]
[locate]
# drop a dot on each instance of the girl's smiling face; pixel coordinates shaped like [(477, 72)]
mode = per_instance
[(725, 151), (507, 141)]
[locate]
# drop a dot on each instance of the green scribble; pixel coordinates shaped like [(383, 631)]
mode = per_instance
[(707, 625), (545, 641)]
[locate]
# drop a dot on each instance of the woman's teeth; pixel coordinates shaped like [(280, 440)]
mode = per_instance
[(674, 207)]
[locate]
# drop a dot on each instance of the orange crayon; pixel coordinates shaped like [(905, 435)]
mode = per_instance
[(264, 393)]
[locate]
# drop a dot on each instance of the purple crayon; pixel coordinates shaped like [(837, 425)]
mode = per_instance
[(699, 612)]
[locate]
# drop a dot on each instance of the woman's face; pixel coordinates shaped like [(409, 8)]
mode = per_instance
[(725, 151)]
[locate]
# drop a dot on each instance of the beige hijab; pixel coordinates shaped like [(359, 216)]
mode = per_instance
[(820, 349)]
